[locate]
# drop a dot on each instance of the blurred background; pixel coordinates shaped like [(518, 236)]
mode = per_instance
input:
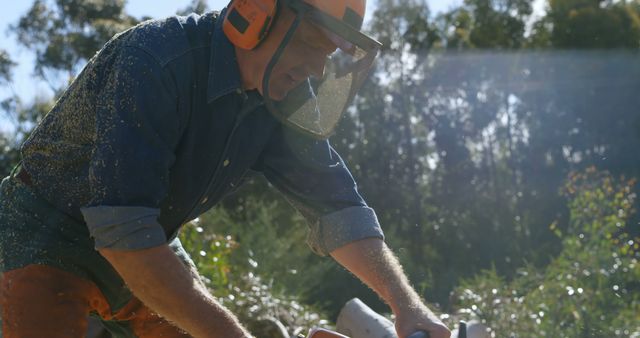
[(498, 141)]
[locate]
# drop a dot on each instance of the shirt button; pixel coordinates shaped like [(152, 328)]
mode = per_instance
[(204, 200), (225, 163)]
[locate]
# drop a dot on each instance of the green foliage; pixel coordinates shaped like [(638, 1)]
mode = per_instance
[(210, 252), (589, 290), (5, 67), (8, 152), (235, 275), (589, 24), (404, 22), (63, 34), (486, 24), (9, 156), (271, 238), (20, 120)]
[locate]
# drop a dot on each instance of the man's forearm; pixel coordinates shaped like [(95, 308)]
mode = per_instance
[(374, 264), (163, 283)]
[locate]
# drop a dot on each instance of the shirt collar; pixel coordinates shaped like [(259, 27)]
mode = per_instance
[(224, 73)]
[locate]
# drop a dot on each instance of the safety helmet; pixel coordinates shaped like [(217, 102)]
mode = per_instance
[(316, 105)]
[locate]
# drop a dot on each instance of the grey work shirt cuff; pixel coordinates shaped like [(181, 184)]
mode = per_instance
[(343, 227), (124, 228)]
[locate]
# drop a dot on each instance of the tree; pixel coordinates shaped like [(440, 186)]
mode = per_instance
[(5, 67), (64, 34), (486, 24), (589, 24), (196, 6)]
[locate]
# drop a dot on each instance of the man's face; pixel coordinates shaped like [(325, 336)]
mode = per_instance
[(304, 56)]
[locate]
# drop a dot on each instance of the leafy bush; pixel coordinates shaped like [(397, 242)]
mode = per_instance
[(591, 289), (231, 274)]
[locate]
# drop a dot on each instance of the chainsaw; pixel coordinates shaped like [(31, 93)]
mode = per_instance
[(324, 333)]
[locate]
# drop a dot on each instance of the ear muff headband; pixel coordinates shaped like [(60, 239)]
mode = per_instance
[(247, 22)]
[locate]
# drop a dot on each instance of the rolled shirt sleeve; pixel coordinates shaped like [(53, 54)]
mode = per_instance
[(137, 129), (316, 181), (344, 226), (124, 227)]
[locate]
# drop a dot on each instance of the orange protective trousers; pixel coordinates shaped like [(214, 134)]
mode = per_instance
[(39, 301)]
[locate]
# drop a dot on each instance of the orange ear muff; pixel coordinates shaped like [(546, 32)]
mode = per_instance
[(247, 22)]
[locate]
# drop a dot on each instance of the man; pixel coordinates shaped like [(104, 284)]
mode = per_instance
[(160, 125)]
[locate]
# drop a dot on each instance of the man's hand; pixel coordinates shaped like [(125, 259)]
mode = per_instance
[(374, 264), (164, 284), (420, 318)]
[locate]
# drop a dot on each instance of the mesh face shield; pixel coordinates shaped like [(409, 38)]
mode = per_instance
[(316, 104)]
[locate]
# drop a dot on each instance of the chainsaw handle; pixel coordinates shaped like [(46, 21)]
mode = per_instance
[(419, 334)]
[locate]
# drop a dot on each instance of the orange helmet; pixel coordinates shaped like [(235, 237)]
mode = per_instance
[(247, 22)]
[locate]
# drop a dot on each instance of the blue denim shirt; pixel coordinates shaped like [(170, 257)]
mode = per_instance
[(157, 129)]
